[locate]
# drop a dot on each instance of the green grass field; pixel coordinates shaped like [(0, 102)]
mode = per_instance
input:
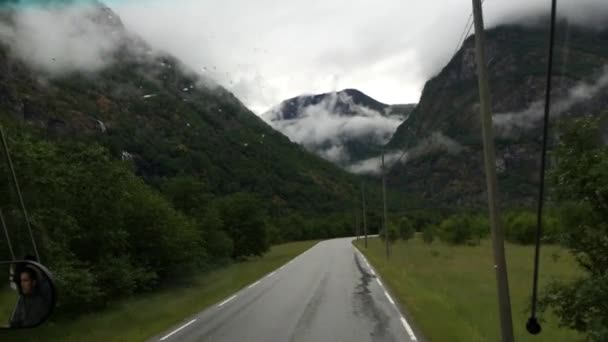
[(450, 291), (138, 318), (8, 300)]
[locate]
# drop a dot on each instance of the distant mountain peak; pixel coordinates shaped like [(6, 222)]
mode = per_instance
[(343, 126), (346, 102)]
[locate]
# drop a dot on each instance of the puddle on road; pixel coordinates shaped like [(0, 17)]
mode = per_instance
[(365, 306)]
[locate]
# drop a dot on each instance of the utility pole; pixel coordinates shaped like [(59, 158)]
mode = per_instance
[(384, 223), (364, 212), (357, 224), (500, 265)]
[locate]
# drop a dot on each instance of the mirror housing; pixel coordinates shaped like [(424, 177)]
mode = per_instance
[(32, 286)]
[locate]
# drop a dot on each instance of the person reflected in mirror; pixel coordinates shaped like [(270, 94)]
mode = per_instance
[(31, 306)]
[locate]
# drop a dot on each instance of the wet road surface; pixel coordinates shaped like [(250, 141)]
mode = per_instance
[(328, 293)]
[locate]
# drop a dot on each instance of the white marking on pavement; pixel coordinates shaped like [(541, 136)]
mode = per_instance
[(389, 297), (226, 301), (178, 329), (408, 329), (367, 263), (253, 285), (271, 274)]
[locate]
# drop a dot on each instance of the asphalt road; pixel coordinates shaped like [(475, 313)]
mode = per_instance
[(328, 293)]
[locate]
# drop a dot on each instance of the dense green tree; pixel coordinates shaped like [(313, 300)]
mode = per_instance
[(187, 193), (219, 245), (406, 228), (245, 222), (580, 178), (461, 229), (97, 222), (521, 227), (393, 234)]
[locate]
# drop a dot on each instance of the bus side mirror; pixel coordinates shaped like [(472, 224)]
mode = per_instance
[(28, 298)]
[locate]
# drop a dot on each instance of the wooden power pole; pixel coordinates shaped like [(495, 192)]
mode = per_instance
[(500, 264)]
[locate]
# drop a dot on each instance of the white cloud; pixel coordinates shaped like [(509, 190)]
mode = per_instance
[(373, 165), (437, 141), (319, 127), (60, 39), (387, 49), (266, 51), (507, 123)]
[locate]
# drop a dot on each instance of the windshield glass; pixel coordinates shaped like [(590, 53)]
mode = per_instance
[(304, 170)]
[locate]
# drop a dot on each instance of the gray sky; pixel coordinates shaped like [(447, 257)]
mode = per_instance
[(267, 51)]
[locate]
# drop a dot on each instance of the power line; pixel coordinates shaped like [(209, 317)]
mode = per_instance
[(18, 190), (468, 26), (532, 325)]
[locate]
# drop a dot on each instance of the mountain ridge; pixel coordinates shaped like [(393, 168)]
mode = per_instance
[(449, 106), (344, 126), (145, 105)]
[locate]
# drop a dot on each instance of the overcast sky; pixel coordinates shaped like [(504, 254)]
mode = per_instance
[(267, 51)]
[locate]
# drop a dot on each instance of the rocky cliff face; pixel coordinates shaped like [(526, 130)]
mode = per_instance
[(449, 104)]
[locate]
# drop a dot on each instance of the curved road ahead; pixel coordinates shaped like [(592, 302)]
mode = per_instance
[(328, 293)]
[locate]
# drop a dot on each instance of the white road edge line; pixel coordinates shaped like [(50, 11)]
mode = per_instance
[(178, 329), (226, 301), (254, 284), (271, 274), (403, 321), (389, 297), (408, 329)]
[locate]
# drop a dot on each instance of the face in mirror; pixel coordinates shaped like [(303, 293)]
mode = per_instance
[(29, 298)]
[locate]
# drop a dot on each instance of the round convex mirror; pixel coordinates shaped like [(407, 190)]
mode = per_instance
[(28, 298)]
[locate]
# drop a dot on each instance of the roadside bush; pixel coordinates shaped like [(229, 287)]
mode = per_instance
[(460, 230), (393, 234), (428, 234), (521, 227), (406, 229)]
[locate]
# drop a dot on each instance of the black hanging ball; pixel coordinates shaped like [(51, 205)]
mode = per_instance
[(533, 326)]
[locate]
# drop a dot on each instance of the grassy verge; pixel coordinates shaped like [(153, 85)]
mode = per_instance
[(138, 318), (450, 291), (8, 300)]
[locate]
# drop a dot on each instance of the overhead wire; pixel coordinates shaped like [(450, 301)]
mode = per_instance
[(532, 325), (8, 239), (18, 190), (463, 36)]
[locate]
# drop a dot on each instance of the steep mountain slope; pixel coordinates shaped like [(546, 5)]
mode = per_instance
[(146, 106), (343, 127), (517, 59)]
